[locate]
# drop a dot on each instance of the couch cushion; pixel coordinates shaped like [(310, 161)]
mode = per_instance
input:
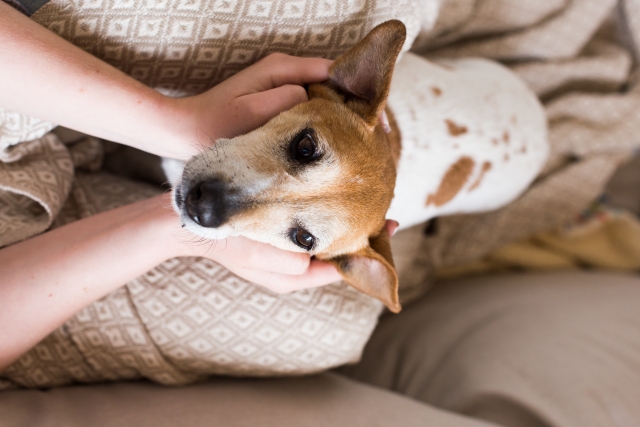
[(324, 400), (520, 350)]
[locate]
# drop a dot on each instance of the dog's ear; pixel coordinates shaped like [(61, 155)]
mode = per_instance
[(371, 271), (362, 75)]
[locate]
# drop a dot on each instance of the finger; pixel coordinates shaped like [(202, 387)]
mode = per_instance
[(279, 69), (284, 69), (258, 108), (319, 274), (392, 226), (249, 254)]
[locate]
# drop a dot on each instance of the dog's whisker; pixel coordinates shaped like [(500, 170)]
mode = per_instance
[(213, 244), (199, 242)]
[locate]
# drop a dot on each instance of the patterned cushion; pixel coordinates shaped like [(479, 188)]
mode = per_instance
[(190, 317), (187, 46)]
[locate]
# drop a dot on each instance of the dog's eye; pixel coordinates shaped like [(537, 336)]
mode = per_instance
[(306, 148), (303, 238), (303, 147)]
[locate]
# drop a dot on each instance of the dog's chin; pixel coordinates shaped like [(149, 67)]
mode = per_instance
[(208, 233)]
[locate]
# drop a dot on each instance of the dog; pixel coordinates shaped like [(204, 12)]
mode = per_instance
[(430, 139)]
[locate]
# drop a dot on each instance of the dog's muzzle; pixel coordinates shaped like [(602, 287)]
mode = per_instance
[(211, 203)]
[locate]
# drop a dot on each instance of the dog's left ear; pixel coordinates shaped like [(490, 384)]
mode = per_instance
[(371, 271), (363, 74)]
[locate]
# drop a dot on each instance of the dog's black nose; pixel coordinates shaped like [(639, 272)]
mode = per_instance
[(207, 205)]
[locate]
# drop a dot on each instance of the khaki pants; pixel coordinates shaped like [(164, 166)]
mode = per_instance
[(558, 349)]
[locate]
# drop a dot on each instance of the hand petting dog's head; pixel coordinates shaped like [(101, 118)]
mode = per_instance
[(318, 178)]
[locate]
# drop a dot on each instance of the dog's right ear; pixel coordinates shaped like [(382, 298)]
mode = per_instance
[(371, 271), (362, 75)]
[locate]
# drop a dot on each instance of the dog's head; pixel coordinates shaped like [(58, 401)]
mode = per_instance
[(318, 178)]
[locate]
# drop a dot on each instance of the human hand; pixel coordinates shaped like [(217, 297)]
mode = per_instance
[(244, 102), (276, 269), (260, 263), (93, 97)]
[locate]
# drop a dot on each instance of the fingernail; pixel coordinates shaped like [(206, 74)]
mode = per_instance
[(395, 228), (384, 121)]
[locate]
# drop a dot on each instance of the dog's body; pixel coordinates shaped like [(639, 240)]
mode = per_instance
[(465, 136), (473, 137)]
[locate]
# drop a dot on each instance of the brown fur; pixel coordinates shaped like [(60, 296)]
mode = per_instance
[(455, 129), (394, 137), (454, 179), (486, 167)]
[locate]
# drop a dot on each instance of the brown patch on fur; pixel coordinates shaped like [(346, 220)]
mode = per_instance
[(506, 137), (523, 150), (486, 167), (506, 157), (514, 120), (436, 91), (494, 141), (394, 137), (453, 181), (455, 129)]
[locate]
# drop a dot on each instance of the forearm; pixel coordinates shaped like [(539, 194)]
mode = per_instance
[(47, 279), (45, 76)]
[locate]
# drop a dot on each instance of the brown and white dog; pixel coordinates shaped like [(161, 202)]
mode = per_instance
[(465, 136)]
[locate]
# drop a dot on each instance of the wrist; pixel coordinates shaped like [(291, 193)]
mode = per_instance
[(166, 130), (178, 120), (170, 237)]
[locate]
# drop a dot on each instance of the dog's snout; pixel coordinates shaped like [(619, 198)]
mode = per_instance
[(206, 204)]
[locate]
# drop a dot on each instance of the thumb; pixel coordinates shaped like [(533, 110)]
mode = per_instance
[(260, 107)]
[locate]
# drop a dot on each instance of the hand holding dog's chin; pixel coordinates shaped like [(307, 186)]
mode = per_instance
[(276, 269), (241, 103), (265, 265), (260, 263)]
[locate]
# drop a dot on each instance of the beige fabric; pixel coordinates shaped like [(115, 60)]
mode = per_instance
[(188, 318), (604, 238), (16, 128), (623, 191), (554, 350), (35, 181), (185, 47), (326, 400)]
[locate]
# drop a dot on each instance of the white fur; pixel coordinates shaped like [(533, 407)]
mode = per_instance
[(172, 169), (487, 99)]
